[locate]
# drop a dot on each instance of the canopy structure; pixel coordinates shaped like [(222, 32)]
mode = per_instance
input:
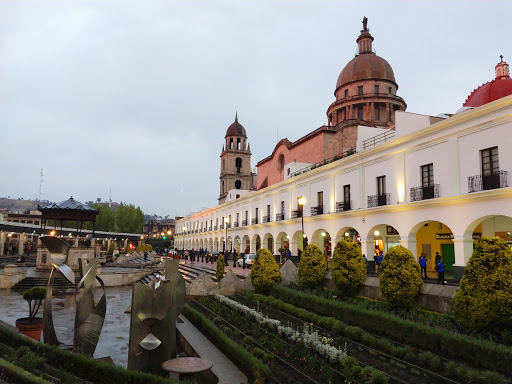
[(69, 210)]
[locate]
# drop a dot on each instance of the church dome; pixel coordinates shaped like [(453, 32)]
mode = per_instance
[(493, 90), (236, 129), (365, 67)]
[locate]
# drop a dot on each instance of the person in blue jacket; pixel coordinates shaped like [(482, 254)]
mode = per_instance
[(423, 264), (379, 261), (440, 272)]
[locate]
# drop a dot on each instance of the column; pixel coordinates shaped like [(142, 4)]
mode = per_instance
[(411, 246), (453, 153), (125, 243), (76, 241), (388, 117), (2, 242), (108, 244), (368, 111), (21, 243), (368, 247), (332, 194), (463, 249)]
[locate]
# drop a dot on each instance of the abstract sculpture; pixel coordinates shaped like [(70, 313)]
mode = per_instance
[(89, 317), (155, 309)]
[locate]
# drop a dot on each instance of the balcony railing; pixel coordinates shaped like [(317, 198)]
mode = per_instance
[(254, 221), (378, 200), (222, 226), (235, 224), (209, 228), (266, 219), (342, 206), (380, 138), (296, 214), (216, 227), (424, 193), (318, 210), (244, 223), (279, 216), (487, 181)]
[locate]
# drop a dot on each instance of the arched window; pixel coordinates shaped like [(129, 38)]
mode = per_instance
[(238, 184), (280, 162), (238, 164)]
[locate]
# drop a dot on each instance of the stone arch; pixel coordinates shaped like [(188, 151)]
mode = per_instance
[(342, 235), (215, 245), (237, 244), (322, 239), (297, 242), (282, 241), (268, 242), (210, 244), (380, 237), (255, 243), (246, 244)]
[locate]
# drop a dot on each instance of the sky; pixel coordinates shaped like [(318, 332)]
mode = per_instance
[(134, 97)]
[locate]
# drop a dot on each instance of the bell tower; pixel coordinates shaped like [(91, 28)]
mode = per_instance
[(235, 162)]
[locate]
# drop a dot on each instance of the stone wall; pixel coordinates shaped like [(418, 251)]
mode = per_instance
[(11, 275)]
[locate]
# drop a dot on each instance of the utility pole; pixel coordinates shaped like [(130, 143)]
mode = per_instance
[(41, 184)]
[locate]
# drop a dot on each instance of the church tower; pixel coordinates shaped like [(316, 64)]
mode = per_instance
[(235, 162)]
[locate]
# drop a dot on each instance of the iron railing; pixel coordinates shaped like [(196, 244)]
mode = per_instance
[(381, 138), (351, 151), (296, 214), (487, 181), (216, 227), (266, 219), (342, 206), (318, 210), (235, 224), (254, 221), (279, 216), (378, 200), (424, 193), (244, 223)]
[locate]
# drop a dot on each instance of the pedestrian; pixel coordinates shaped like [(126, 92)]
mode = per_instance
[(29, 248), (438, 258), (376, 254), (288, 255), (379, 261), (423, 264), (365, 261), (145, 255), (440, 272)]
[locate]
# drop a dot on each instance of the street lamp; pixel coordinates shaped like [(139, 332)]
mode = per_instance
[(302, 201), (183, 254)]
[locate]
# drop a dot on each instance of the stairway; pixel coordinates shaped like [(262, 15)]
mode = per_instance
[(30, 261), (189, 273), (60, 284)]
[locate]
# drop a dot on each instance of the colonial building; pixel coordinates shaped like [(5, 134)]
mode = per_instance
[(366, 95), (431, 184), (236, 178)]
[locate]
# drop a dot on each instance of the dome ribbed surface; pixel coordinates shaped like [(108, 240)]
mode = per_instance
[(491, 91), (364, 67)]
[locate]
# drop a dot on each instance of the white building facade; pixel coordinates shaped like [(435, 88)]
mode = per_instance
[(430, 185)]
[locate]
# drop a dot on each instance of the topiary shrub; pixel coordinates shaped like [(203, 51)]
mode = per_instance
[(484, 298), (399, 277), (265, 271), (312, 267), (219, 273), (348, 268), (34, 297)]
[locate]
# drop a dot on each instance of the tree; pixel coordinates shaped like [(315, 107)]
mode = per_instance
[(98, 200), (400, 277), (265, 271), (312, 267), (348, 268), (129, 219), (105, 219), (219, 273), (484, 298)]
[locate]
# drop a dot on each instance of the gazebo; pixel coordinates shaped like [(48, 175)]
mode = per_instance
[(70, 210)]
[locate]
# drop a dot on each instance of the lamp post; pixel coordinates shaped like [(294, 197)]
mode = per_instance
[(302, 201), (183, 254), (226, 221)]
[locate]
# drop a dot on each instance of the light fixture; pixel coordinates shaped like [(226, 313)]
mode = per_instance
[(52, 233), (346, 234), (323, 234), (301, 200), (376, 233)]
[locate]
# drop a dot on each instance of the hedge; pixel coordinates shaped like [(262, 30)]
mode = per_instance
[(17, 375), (312, 267), (78, 365), (477, 352), (249, 364), (348, 268)]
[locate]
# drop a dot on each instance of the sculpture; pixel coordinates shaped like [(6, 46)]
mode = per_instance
[(365, 23), (154, 311), (89, 317)]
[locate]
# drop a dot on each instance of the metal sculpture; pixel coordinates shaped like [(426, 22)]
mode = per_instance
[(89, 318), (155, 309)]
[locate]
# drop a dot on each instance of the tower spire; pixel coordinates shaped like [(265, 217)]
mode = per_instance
[(502, 69), (236, 117), (365, 39)]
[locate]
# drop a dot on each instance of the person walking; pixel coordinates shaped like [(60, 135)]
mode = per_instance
[(438, 258), (365, 262), (423, 264), (440, 272), (379, 261)]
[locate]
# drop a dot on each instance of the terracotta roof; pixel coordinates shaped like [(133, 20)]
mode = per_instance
[(236, 129), (364, 67)]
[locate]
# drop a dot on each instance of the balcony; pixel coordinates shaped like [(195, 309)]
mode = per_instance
[(424, 193), (318, 210), (378, 200), (222, 226), (216, 227), (279, 216), (487, 181), (244, 223), (343, 206), (296, 214), (209, 228), (254, 221), (266, 219), (235, 224)]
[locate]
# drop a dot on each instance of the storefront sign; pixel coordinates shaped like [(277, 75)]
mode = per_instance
[(476, 235), (391, 231), (444, 236)]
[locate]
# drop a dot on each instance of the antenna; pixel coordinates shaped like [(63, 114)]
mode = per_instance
[(110, 198), (41, 184)]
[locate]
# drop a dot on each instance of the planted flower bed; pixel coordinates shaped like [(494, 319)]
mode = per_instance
[(342, 318)]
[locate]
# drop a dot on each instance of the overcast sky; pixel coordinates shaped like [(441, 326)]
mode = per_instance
[(136, 96)]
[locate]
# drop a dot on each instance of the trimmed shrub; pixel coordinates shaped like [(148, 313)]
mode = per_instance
[(348, 269), (400, 277), (34, 297), (484, 299), (144, 247), (265, 271), (219, 273), (312, 267)]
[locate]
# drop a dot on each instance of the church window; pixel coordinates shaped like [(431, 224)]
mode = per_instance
[(376, 113), (231, 143), (346, 92), (390, 90), (222, 186), (238, 184), (376, 89), (280, 162), (238, 164), (360, 113), (223, 164), (360, 90), (238, 143)]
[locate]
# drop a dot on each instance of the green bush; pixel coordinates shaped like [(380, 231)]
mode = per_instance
[(484, 298), (265, 271), (144, 247), (348, 269), (15, 374), (219, 273), (400, 277), (34, 297), (312, 267)]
